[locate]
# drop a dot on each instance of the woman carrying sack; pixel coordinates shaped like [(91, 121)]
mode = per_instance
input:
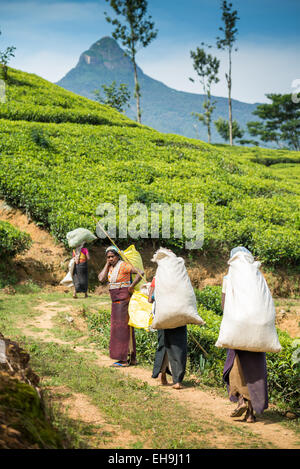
[(245, 372), (122, 339), (171, 351), (80, 272)]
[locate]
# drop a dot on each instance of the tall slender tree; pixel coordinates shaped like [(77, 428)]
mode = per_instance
[(5, 57), (229, 18), (206, 66), (135, 31)]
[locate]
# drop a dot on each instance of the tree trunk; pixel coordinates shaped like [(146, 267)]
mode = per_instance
[(4, 72), (229, 100), (208, 132), (207, 115), (137, 92)]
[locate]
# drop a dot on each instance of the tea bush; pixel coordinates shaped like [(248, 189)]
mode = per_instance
[(84, 153), (210, 297), (12, 240)]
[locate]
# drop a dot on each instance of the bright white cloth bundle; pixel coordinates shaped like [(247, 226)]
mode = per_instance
[(2, 351), (249, 314), (67, 281), (175, 301)]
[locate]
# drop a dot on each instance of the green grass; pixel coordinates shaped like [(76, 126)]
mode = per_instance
[(144, 410)]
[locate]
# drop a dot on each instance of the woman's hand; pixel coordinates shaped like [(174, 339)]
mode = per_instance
[(103, 274), (130, 290)]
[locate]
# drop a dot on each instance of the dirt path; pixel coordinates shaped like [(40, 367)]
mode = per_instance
[(46, 260), (201, 403)]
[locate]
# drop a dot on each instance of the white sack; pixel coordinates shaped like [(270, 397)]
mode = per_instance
[(249, 314), (81, 235), (67, 281), (175, 301), (2, 351)]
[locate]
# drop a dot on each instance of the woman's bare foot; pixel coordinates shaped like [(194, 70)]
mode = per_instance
[(241, 408), (163, 379), (177, 386), (249, 417)]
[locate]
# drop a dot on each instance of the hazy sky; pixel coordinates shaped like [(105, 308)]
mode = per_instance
[(51, 34)]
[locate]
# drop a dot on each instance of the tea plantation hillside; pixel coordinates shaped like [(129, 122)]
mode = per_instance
[(62, 155)]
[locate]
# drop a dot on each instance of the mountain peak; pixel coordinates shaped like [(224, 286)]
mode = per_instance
[(105, 52), (105, 43)]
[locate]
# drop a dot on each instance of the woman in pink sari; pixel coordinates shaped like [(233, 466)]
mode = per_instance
[(122, 339), (80, 273)]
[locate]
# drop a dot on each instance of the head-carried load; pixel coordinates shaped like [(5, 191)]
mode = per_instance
[(249, 314), (175, 301)]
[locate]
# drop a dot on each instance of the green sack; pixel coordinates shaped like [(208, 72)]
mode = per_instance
[(81, 235)]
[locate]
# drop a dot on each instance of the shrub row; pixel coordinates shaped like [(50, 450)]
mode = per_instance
[(61, 170), (60, 174), (28, 112), (12, 240)]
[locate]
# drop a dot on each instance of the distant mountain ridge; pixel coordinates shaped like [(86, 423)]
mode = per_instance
[(163, 108)]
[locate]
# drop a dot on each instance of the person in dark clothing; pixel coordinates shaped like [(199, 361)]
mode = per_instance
[(80, 273), (245, 373), (171, 353)]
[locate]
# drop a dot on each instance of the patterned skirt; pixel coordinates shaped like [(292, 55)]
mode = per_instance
[(122, 339)]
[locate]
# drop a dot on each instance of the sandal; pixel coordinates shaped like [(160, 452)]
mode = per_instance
[(239, 411), (119, 364)]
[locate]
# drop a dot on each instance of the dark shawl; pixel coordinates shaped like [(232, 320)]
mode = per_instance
[(255, 374), (174, 343), (119, 329), (80, 277)]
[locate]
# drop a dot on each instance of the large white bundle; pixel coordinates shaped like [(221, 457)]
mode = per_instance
[(249, 314), (175, 301), (67, 281), (79, 236), (3, 358)]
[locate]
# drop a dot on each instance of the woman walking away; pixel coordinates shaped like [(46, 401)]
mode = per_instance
[(171, 351), (80, 273), (122, 339), (245, 372)]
